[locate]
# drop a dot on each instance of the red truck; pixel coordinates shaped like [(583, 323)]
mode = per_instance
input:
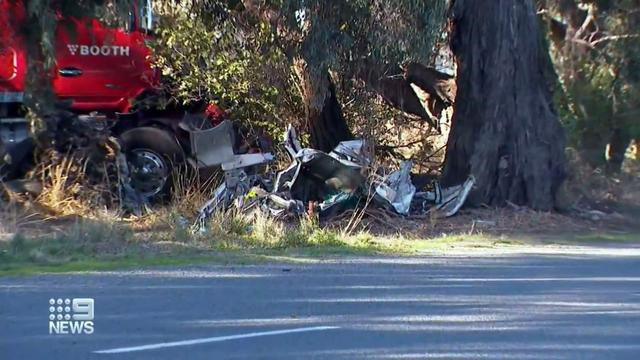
[(102, 71)]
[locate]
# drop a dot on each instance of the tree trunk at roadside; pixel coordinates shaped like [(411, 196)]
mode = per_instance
[(327, 126), (505, 131)]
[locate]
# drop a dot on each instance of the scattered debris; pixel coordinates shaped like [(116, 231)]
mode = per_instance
[(398, 190), (447, 200), (327, 184), (593, 215), (483, 223)]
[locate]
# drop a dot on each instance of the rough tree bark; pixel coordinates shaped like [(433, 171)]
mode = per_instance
[(504, 128), (327, 125)]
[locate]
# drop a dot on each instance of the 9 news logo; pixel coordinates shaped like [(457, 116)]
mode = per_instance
[(71, 316)]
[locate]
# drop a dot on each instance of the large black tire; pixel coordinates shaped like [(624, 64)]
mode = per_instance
[(151, 152)]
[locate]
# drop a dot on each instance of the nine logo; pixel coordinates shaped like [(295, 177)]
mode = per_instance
[(71, 316)]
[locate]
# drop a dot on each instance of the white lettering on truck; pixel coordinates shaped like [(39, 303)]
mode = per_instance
[(94, 50)]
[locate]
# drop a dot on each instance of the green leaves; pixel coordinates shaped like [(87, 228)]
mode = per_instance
[(242, 56), (229, 62), (334, 33)]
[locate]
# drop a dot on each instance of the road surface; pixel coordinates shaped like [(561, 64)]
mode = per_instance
[(512, 307)]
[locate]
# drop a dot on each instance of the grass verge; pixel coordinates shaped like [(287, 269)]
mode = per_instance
[(232, 238), (89, 245)]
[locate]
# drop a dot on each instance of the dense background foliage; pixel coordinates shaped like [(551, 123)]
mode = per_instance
[(243, 55), (596, 49)]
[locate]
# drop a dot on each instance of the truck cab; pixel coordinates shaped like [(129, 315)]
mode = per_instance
[(100, 70), (97, 67)]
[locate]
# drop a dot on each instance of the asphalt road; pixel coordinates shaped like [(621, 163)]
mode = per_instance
[(516, 307)]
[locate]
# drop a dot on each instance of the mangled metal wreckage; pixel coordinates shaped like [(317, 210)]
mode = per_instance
[(327, 184)]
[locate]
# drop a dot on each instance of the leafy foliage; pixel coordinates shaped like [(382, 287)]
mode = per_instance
[(338, 34), (243, 55), (218, 58), (596, 47)]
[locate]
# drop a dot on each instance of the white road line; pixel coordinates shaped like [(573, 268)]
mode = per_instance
[(213, 339)]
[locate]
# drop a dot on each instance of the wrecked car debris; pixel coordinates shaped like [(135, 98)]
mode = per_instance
[(328, 183), (312, 176), (398, 190), (235, 186), (447, 200)]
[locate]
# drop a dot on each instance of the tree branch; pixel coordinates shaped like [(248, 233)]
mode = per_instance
[(614, 38)]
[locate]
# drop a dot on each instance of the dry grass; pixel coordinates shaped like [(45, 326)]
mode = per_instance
[(61, 190), (79, 184), (74, 209), (592, 188), (191, 189), (14, 219)]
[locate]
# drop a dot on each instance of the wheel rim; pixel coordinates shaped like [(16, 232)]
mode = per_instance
[(148, 171)]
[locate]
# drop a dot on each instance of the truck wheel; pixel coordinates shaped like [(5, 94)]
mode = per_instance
[(152, 154)]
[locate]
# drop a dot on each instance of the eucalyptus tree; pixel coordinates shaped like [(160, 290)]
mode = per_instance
[(362, 39), (505, 131)]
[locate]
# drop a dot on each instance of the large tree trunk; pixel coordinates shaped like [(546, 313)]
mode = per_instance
[(326, 124), (504, 129)]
